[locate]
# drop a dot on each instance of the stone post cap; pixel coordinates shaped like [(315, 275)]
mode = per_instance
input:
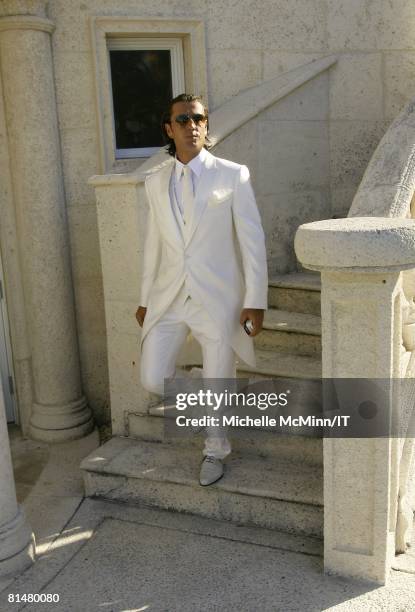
[(357, 243)]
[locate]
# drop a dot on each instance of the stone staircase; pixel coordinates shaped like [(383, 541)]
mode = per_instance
[(271, 480), (290, 344)]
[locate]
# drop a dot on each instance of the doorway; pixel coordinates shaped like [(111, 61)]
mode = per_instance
[(6, 362)]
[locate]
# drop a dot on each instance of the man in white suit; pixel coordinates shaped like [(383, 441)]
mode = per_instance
[(202, 210)]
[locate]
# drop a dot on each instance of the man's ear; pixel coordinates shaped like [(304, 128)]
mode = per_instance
[(168, 129)]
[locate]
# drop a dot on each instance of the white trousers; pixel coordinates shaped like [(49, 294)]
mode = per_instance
[(162, 345)]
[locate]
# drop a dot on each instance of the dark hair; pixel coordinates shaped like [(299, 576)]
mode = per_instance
[(184, 97)]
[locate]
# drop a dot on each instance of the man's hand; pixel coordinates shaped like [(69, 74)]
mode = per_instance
[(256, 315), (140, 315)]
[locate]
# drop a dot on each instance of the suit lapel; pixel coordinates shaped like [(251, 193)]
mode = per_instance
[(165, 208), (202, 193)]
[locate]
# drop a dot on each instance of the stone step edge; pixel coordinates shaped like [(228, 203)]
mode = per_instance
[(195, 484), (280, 369), (288, 283), (276, 371), (293, 327), (254, 441), (299, 520), (99, 467), (263, 434), (169, 412)]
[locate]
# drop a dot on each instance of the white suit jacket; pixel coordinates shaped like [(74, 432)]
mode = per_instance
[(225, 220)]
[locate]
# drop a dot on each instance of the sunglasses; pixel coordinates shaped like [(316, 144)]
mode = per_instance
[(184, 118)]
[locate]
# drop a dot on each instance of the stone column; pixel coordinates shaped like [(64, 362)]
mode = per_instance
[(360, 260), (60, 410), (17, 543)]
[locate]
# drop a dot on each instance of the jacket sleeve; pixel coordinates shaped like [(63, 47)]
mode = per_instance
[(251, 241), (152, 250)]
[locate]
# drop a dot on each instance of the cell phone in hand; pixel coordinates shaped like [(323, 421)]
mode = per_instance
[(248, 326)]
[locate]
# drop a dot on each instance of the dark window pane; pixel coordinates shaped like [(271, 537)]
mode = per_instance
[(141, 89)]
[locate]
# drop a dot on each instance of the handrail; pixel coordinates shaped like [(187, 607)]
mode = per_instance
[(231, 115), (387, 190), (388, 184)]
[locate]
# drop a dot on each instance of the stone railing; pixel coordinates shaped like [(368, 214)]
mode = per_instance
[(387, 190), (367, 264)]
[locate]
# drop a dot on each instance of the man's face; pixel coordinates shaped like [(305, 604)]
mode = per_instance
[(190, 137)]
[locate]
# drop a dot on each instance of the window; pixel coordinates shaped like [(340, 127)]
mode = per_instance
[(184, 42), (145, 73)]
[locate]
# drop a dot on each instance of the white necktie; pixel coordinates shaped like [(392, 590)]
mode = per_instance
[(187, 196)]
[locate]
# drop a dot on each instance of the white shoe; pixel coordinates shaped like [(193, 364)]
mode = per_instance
[(211, 470)]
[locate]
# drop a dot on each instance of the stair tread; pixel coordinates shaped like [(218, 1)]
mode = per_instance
[(282, 320), (246, 475), (278, 364), (297, 280)]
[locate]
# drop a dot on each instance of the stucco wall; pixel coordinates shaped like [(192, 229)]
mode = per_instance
[(307, 153)]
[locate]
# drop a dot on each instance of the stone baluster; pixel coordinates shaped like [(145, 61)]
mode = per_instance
[(360, 260), (60, 411), (406, 499)]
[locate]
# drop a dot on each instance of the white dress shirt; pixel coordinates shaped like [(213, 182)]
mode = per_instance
[(176, 200)]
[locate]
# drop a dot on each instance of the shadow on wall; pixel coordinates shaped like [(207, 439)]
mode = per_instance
[(286, 148)]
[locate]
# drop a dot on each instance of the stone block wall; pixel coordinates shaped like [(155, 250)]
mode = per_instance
[(287, 150), (307, 153)]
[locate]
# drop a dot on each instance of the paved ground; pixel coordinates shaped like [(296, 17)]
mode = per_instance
[(100, 556)]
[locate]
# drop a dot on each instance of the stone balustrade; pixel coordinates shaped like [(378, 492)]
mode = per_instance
[(387, 190), (360, 260)]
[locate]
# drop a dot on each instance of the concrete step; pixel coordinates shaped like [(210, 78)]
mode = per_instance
[(290, 332), (257, 491), (299, 322), (278, 364), (152, 427), (296, 292), (297, 280)]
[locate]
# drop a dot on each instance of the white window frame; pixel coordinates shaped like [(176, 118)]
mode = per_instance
[(103, 29), (175, 46)]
